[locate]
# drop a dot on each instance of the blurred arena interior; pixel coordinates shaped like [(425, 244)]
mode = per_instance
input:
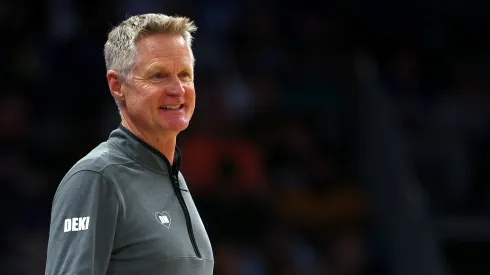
[(348, 140)]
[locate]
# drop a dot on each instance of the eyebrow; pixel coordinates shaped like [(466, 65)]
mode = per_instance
[(153, 68), (159, 67)]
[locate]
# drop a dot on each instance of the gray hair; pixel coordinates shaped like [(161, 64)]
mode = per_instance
[(120, 51)]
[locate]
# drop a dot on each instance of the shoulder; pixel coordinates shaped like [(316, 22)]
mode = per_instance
[(94, 168), (100, 158), (103, 160)]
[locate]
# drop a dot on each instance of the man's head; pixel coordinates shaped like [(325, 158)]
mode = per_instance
[(150, 71)]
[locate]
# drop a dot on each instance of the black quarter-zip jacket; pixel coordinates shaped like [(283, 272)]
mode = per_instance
[(123, 209)]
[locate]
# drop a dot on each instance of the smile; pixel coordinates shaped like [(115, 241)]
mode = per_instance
[(172, 107)]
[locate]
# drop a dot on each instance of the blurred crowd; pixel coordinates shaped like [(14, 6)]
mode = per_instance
[(271, 155)]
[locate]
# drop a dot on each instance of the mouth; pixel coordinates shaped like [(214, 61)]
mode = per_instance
[(172, 107)]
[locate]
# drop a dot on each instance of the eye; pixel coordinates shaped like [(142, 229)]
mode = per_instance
[(158, 76), (185, 75)]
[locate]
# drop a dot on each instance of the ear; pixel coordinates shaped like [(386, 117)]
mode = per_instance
[(115, 83)]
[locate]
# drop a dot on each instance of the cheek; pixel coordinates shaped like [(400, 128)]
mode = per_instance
[(190, 93), (191, 98), (132, 101), (139, 101)]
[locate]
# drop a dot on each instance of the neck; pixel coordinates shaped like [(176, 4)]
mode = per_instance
[(164, 143)]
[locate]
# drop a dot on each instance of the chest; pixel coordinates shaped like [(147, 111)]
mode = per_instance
[(160, 222)]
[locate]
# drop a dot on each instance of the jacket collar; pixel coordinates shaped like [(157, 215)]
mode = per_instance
[(142, 152)]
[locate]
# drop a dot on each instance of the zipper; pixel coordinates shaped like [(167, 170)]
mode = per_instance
[(178, 193), (175, 185)]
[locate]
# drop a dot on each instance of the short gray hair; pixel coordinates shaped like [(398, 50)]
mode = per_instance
[(120, 51)]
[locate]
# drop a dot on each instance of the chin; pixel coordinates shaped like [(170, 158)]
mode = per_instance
[(175, 127)]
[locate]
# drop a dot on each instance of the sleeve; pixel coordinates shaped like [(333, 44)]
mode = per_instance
[(83, 225)]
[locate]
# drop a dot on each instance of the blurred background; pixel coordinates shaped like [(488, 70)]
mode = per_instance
[(349, 139)]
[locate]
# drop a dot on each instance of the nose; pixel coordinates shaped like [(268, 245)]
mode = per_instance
[(175, 87)]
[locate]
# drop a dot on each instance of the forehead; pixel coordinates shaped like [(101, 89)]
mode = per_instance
[(163, 47)]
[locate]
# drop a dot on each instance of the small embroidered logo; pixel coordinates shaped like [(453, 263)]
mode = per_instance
[(163, 218)]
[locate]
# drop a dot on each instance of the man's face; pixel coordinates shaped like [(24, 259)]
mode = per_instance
[(160, 95)]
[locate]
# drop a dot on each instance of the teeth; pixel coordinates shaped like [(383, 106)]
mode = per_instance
[(170, 107)]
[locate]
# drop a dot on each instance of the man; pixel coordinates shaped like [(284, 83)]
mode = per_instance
[(125, 207)]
